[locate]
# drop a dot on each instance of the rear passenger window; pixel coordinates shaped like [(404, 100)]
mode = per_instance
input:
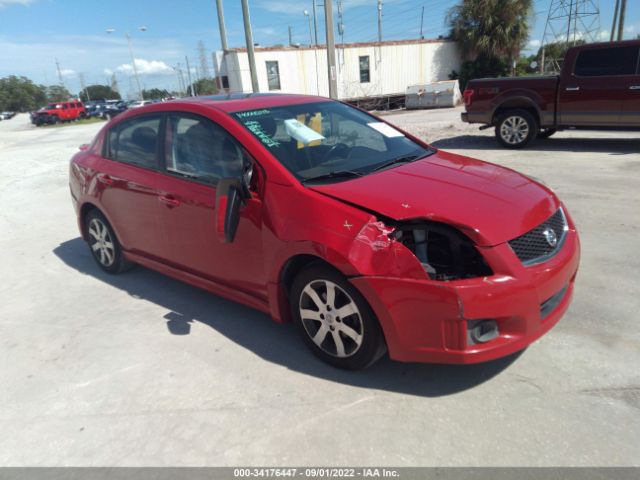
[(607, 62), (135, 141)]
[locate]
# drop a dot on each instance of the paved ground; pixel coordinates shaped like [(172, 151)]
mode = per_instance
[(139, 369)]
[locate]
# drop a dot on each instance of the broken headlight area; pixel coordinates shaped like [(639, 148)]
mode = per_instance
[(444, 252)]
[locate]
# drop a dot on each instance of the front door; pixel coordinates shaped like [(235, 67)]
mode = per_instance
[(198, 153), (593, 90)]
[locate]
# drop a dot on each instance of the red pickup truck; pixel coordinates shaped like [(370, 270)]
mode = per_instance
[(598, 89)]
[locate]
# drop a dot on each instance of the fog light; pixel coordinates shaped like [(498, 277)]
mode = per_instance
[(481, 331)]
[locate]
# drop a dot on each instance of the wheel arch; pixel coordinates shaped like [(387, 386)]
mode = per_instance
[(516, 103)]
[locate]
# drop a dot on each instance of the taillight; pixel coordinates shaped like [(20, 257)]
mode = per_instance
[(467, 96)]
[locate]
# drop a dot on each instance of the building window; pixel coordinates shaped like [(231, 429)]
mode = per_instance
[(273, 75), (364, 69)]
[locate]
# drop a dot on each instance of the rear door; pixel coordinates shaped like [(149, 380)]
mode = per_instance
[(631, 104), (129, 177), (593, 90), (198, 153)]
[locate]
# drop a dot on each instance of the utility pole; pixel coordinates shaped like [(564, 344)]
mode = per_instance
[(83, 86), (315, 23), (421, 23), (331, 49), (189, 76), (133, 64), (250, 52), (60, 79), (290, 37), (379, 21), (221, 27), (615, 21), (623, 10)]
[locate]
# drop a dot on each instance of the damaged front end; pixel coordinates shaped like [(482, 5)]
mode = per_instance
[(415, 248), (444, 252)]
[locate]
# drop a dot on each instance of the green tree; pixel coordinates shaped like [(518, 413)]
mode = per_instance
[(204, 86), (155, 94), (490, 35), (20, 94), (99, 92), (57, 93)]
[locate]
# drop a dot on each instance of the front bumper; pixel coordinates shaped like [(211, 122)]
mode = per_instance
[(427, 321)]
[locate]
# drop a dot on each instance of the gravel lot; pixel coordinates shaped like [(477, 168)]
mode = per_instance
[(140, 369)]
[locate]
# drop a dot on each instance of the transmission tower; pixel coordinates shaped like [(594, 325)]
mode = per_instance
[(204, 66), (568, 22)]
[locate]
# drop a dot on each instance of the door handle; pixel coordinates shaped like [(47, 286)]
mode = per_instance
[(106, 180), (634, 87), (572, 89), (169, 201)]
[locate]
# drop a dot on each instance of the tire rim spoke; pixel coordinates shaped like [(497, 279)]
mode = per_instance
[(350, 332), (338, 342)]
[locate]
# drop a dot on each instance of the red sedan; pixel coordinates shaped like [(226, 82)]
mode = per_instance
[(312, 211)]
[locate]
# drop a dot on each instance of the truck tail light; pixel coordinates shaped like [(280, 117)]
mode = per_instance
[(468, 97)]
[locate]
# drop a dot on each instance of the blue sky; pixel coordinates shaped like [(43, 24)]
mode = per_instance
[(33, 33)]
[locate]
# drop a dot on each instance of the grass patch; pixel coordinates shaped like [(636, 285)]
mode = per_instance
[(84, 121)]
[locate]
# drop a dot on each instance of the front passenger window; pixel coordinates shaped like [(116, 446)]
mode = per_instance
[(197, 148)]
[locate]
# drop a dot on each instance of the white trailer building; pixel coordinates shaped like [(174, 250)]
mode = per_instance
[(363, 70)]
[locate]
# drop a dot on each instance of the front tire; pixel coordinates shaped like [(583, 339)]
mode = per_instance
[(104, 245), (334, 319), (516, 128)]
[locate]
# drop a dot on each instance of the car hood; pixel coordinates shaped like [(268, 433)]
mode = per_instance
[(491, 204)]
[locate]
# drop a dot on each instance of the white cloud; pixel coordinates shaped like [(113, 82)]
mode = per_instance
[(534, 44), (67, 72), (6, 3), (108, 71), (146, 67)]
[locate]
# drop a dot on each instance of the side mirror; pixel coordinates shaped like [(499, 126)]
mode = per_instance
[(229, 196)]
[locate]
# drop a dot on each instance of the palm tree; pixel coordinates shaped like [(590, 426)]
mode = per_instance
[(490, 28)]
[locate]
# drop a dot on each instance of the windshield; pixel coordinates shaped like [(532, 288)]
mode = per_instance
[(53, 106), (329, 141)]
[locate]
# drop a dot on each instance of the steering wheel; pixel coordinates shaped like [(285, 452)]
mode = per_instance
[(332, 150)]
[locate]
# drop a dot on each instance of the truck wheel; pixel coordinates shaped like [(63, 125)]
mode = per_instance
[(546, 132), (334, 319), (516, 128)]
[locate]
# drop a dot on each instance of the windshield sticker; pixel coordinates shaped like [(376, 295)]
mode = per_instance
[(385, 129), (255, 128), (301, 132), (253, 113)]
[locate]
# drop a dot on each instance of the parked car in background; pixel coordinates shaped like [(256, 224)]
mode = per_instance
[(113, 108), (59, 112), (139, 103), (313, 211), (598, 88), (7, 115)]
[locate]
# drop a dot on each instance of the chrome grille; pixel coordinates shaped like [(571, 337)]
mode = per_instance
[(536, 245)]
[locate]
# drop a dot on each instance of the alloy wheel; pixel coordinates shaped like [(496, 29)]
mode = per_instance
[(331, 318), (514, 130), (101, 242)]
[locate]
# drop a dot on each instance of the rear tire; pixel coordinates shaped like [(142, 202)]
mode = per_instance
[(516, 128), (334, 319), (104, 245)]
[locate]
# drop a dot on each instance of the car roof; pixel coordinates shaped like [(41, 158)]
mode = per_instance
[(236, 102)]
